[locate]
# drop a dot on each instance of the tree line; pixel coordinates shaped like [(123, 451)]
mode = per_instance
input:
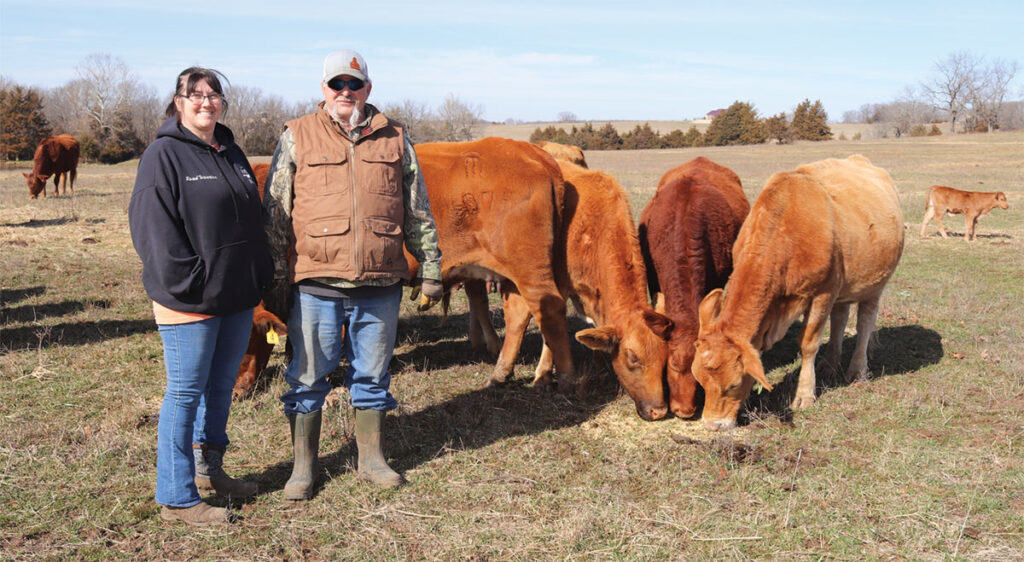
[(739, 124), (114, 115)]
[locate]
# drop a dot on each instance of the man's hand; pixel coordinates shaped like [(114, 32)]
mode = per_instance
[(431, 293)]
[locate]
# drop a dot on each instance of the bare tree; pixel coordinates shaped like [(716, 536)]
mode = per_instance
[(950, 88), (458, 119), (567, 117), (908, 109), (988, 94), (257, 119), (107, 84), (420, 124)]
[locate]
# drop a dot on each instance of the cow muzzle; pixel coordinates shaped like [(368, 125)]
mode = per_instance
[(719, 425)]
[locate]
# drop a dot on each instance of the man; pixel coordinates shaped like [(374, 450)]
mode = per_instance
[(343, 193)]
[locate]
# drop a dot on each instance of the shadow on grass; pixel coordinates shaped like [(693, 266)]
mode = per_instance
[(70, 334), (35, 312), (896, 350), (11, 296), (34, 223)]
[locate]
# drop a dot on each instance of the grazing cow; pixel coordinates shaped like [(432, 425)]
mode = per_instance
[(566, 152), (972, 204), (608, 283), (686, 234), (56, 156), (818, 239), (497, 204), (257, 355)]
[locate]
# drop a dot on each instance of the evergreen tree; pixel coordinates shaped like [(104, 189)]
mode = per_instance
[(641, 137), (608, 138), (736, 125), (22, 122), (778, 127), (810, 122)]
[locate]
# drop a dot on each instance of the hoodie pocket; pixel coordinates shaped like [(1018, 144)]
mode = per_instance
[(329, 171), (326, 240)]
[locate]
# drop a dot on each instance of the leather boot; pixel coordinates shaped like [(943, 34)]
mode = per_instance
[(200, 514), (210, 475), (372, 465), (306, 445)]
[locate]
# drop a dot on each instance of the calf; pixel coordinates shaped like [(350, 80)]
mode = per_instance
[(818, 239), (56, 156), (686, 234), (972, 204), (564, 152)]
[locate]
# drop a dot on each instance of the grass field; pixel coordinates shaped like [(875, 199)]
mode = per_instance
[(925, 461)]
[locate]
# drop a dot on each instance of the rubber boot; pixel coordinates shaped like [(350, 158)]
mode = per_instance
[(372, 465), (200, 514), (210, 475), (306, 444)]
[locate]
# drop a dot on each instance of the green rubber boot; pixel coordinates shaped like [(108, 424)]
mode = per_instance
[(372, 465), (306, 444)]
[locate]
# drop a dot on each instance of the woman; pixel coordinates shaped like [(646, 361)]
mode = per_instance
[(196, 222)]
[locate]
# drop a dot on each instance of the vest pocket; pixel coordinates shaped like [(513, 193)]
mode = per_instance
[(383, 245), (384, 171), (328, 170), (326, 241)]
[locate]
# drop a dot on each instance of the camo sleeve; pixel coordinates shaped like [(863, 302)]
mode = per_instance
[(420, 228), (277, 202)]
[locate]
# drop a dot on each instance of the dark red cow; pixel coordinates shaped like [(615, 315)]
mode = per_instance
[(686, 234), (55, 156)]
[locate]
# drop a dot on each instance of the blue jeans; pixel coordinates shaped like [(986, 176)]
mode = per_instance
[(202, 361), (321, 328)]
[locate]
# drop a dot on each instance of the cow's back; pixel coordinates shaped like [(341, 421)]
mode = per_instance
[(56, 155)]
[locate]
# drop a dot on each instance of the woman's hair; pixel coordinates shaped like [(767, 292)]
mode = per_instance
[(186, 84)]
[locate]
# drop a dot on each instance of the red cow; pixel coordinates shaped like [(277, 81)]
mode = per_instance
[(257, 355), (686, 234), (55, 156), (973, 205)]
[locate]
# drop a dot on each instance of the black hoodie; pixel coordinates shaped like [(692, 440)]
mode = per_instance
[(196, 221)]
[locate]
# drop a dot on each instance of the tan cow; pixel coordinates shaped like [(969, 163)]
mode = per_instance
[(608, 283), (498, 205), (818, 239), (564, 152), (972, 204)]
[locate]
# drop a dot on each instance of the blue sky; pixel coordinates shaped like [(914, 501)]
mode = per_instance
[(528, 60)]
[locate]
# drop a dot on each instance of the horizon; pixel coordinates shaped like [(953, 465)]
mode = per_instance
[(529, 62)]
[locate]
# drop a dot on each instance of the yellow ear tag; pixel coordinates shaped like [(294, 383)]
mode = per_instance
[(272, 338)]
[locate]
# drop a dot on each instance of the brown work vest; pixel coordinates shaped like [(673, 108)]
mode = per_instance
[(348, 208)]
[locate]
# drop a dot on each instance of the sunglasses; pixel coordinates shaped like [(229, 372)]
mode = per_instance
[(338, 84)]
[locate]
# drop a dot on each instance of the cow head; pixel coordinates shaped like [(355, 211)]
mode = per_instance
[(1001, 200), (36, 184), (638, 358), (725, 366), (682, 386)]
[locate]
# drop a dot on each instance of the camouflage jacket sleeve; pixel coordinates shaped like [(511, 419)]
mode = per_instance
[(420, 228), (277, 202)]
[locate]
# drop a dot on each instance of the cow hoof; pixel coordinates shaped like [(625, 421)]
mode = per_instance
[(801, 402)]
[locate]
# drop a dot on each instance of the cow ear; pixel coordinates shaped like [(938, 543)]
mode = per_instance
[(660, 324), (752, 365), (599, 339), (659, 302), (710, 308), (27, 176)]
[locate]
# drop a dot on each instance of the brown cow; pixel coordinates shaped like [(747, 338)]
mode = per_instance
[(972, 204), (686, 233), (257, 355), (497, 204), (55, 156), (818, 239), (608, 283), (565, 152)]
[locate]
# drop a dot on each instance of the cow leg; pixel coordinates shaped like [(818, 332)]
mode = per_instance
[(545, 366), (481, 331), (928, 216), (938, 223), (837, 330), (56, 184), (550, 312), (810, 340), (867, 315), (517, 319), (970, 223), (74, 174)]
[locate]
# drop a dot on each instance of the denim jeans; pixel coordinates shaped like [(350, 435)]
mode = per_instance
[(321, 328), (201, 359)]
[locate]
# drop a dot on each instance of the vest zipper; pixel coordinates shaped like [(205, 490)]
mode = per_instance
[(358, 250)]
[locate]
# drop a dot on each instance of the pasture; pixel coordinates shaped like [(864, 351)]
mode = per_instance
[(924, 461)]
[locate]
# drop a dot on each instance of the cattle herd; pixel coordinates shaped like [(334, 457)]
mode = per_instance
[(686, 300)]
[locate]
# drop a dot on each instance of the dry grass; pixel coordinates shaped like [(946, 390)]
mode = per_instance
[(924, 461)]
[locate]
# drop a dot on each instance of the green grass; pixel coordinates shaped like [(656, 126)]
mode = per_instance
[(923, 461)]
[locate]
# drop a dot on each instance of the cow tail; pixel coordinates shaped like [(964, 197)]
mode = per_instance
[(928, 198)]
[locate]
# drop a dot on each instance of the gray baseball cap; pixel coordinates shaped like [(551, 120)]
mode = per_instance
[(345, 62)]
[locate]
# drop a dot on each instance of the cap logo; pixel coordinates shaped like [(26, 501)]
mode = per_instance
[(354, 64)]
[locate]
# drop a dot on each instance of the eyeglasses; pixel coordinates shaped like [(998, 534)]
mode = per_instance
[(338, 84), (197, 98)]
